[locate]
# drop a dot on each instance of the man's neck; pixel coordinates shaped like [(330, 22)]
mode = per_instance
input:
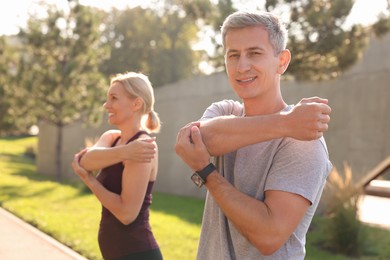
[(256, 107)]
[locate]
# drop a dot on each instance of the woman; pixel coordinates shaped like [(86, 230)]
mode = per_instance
[(128, 159)]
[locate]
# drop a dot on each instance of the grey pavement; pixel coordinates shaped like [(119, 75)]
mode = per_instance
[(21, 241), (375, 211)]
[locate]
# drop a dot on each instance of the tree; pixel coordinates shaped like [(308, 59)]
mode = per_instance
[(382, 26), (321, 45), (6, 65), (322, 48), (13, 117), (155, 42), (59, 74)]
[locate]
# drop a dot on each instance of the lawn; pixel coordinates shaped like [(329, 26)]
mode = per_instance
[(69, 213)]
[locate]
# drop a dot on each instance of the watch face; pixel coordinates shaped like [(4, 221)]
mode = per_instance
[(197, 180)]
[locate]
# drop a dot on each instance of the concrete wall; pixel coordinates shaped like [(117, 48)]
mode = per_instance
[(75, 137), (358, 133)]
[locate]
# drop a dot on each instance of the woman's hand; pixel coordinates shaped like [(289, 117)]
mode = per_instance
[(140, 150), (84, 175)]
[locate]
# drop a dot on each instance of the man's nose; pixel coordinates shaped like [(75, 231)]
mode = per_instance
[(243, 64)]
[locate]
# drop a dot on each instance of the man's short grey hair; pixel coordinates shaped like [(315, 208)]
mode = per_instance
[(277, 32)]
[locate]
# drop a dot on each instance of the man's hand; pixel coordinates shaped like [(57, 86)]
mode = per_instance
[(140, 150), (309, 119), (190, 147)]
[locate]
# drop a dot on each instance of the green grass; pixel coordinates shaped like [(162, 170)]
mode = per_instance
[(71, 215)]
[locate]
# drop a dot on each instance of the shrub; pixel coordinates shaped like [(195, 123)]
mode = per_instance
[(30, 151), (343, 231)]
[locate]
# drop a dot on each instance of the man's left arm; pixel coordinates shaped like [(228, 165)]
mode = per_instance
[(275, 218), (266, 225)]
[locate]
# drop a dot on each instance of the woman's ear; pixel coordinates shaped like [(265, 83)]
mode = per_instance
[(138, 104), (284, 61)]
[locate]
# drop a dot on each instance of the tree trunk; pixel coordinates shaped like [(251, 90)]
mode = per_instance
[(59, 153)]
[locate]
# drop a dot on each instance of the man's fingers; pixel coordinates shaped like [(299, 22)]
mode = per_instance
[(190, 125), (195, 135), (325, 109), (324, 118), (314, 100)]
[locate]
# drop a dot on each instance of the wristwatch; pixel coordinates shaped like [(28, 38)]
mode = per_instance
[(199, 177)]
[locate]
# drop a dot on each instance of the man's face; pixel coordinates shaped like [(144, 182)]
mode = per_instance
[(252, 67)]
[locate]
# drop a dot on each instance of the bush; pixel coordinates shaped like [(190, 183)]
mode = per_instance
[(30, 151), (343, 232)]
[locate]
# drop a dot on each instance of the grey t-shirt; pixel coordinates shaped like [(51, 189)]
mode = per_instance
[(285, 164)]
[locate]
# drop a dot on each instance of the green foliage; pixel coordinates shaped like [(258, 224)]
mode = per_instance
[(31, 151), (58, 79), (10, 109), (157, 43), (343, 231), (322, 46), (374, 244), (382, 26), (59, 69)]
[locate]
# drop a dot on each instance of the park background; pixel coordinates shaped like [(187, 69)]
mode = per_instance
[(351, 70)]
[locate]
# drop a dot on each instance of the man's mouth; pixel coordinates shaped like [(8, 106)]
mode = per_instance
[(246, 80)]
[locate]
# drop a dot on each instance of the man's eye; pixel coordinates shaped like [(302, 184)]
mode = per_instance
[(232, 56)]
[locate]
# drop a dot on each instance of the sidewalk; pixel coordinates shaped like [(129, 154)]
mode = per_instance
[(21, 241), (375, 211)]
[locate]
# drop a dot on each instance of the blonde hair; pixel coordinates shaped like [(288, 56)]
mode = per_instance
[(138, 85)]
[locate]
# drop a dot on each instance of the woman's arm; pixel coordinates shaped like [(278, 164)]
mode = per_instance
[(125, 206), (102, 154)]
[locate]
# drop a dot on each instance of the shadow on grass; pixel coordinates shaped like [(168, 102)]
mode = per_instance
[(9, 193), (23, 166), (186, 208)]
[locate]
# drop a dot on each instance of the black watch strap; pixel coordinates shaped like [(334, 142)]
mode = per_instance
[(206, 171)]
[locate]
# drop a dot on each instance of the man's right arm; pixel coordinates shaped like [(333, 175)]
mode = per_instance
[(306, 121)]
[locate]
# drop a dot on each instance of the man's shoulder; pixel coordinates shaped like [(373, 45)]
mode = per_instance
[(229, 104), (224, 107), (306, 152)]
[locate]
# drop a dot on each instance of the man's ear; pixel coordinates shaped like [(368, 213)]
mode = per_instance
[(284, 61)]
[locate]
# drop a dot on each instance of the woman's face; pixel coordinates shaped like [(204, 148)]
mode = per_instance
[(118, 104)]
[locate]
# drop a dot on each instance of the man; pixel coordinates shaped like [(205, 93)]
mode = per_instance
[(269, 180)]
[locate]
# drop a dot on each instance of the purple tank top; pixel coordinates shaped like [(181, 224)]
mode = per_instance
[(116, 239)]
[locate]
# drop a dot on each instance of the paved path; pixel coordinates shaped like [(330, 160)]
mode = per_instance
[(21, 241), (375, 210)]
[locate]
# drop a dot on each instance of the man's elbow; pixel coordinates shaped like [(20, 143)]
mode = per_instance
[(268, 249), (269, 245)]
